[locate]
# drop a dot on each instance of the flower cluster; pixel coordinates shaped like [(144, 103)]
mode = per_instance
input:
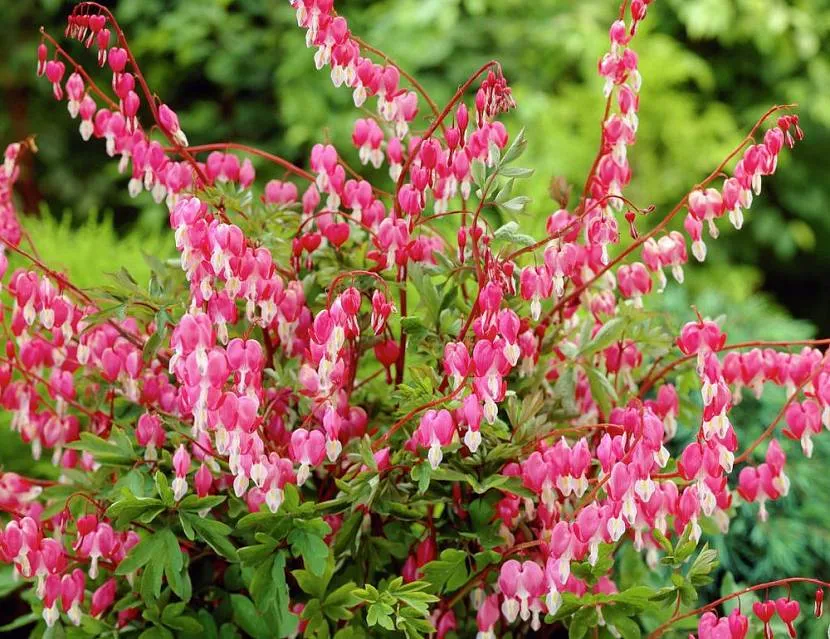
[(349, 379)]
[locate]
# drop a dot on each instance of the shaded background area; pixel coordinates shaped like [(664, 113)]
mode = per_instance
[(239, 70)]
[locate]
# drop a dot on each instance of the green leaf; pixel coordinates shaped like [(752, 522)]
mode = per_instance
[(601, 390), (378, 614), (504, 192), (106, 452), (494, 153), (565, 389), (427, 291), (516, 205), (228, 631), (174, 569), (20, 622), (156, 632), (516, 149), (194, 503), (413, 595), (684, 550), (478, 171), (139, 555), (663, 541), (703, 565), (688, 594), (414, 327), (608, 333), (638, 596), (348, 532), (104, 314), (422, 473), (510, 233), (307, 542), (214, 533), (163, 489), (627, 627), (151, 578), (269, 591), (516, 172), (179, 582), (208, 623), (336, 605), (449, 572), (583, 619), (245, 615), (186, 623), (125, 510), (172, 553), (172, 611), (151, 346)]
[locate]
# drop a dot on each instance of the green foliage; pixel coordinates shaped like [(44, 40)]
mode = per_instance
[(85, 252)]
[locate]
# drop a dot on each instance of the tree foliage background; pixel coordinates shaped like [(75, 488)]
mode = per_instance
[(238, 69)]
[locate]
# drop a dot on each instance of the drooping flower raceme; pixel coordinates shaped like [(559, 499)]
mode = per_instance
[(363, 376)]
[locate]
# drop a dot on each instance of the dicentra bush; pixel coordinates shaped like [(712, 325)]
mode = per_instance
[(354, 408)]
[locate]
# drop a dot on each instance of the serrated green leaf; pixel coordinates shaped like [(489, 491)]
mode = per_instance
[(338, 602), (449, 572), (307, 542), (213, 532)]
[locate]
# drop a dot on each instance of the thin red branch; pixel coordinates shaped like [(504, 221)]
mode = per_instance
[(139, 75), (378, 443), (771, 428), (666, 220), (658, 632), (250, 150), (409, 77), (436, 123), (649, 380), (80, 70)]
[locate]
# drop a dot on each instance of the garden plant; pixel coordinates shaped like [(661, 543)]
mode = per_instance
[(364, 401)]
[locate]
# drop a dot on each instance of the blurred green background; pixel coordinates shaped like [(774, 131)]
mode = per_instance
[(238, 70)]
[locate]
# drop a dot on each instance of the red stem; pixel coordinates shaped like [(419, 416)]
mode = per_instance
[(432, 127), (64, 283), (643, 238), (378, 443), (649, 380), (401, 362), (80, 70), (410, 78), (608, 101), (276, 159), (771, 428), (352, 274), (151, 99), (770, 584), (363, 225)]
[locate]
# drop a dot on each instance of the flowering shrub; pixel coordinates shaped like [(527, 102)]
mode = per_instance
[(354, 408)]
